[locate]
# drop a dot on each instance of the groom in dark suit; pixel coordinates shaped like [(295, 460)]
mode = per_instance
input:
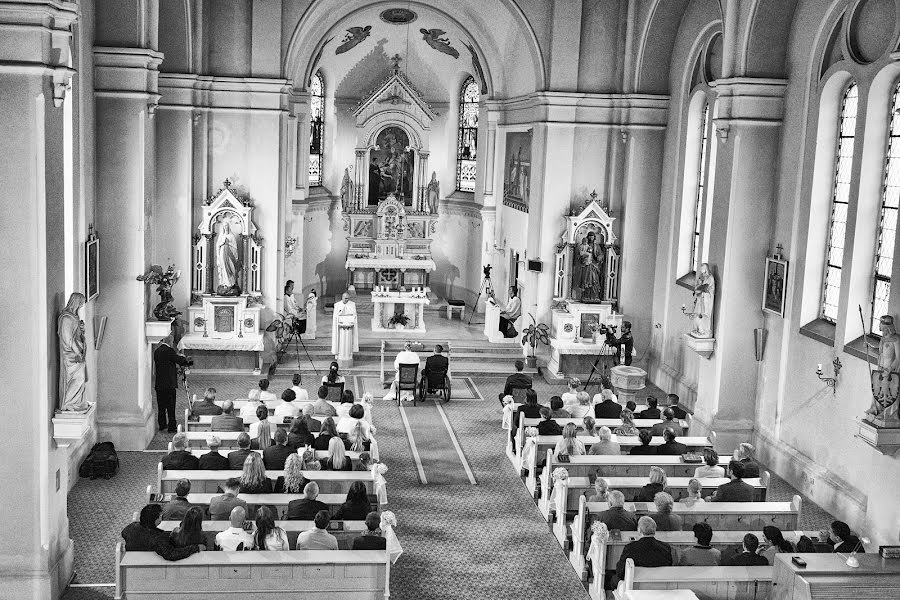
[(166, 362)]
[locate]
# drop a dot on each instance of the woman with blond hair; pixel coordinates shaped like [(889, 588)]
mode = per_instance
[(658, 483), (327, 432), (253, 477), (600, 492), (337, 459), (663, 517), (695, 491), (310, 462), (588, 426), (569, 444), (627, 427), (582, 406), (293, 481)]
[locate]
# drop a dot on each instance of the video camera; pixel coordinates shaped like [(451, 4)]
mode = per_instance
[(487, 270)]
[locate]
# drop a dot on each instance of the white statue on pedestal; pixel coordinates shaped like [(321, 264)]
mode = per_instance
[(886, 380), (72, 351), (704, 299), (227, 261), (312, 303), (344, 308)]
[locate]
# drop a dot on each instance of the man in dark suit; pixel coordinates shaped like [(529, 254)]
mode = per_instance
[(673, 400), (220, 506), (670, 446), (179, 458), (548, 426), (749, 557), (236, 458), (609, 408), (275, 456), (212, 460), (745, 455), (669, 421), (616, 517), (735, 490), (652, 411), (305, 509), (177, 507), (645, 448), (436, 363), (516, 380), (369, 540), (208, 405), (227, 421), (647, 551), (166, 362), (843, 540)]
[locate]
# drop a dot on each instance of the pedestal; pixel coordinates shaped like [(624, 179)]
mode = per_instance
[(345, 346), (492, 323), (627, 381), (702, 346), (75, 433), (885, 439)]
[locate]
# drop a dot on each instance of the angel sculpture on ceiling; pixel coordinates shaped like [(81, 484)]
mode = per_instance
[(354, 37), (433, 38)]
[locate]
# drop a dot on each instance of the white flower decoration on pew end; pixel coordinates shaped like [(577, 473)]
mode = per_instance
[(367, 398), (531, 432), (388, 519), (381, 468), (560, 474), (600, 531), (507, 400), (388, 522)]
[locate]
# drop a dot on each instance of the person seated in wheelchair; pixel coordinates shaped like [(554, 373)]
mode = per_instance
[(436, 363), (404, 357)]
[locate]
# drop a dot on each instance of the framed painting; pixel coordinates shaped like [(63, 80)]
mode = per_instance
[(775, 288), (92, 267), (517, 171)]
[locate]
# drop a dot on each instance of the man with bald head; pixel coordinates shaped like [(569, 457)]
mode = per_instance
[(227, 421), (235, 538)]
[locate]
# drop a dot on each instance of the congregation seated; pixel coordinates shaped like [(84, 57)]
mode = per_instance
[(735, 490), (627, 427), (529, 410), (264, 394), (190, 531), (645, 449), (556, 408), (237, 457), (235, 537), (702, 554), (711, 469), (673, 400), (293, 481), (358, 440), (670, 447), (631, 405), (180, 458), (343, 408), (333, 375), (694, 493), (299, 435), (569, 445), (658, 483), (356, 507), (517, 380), (268, 536), (253, 476), (274, 456), (843, 539), (663, 517), (146, 536), (227, 421), (371, 539), (177, 507), (748, 556), (600, 491), (253, 402), (318, 538), (652, 411), (212, 460), (570, 396), (220, 507), (605, 445), (287, 408), (321, 406), (356, 418), (314, 425), (589, 427), (326, 432), (646, 551), (775, 543), (300, 395), (583, 407), (207, 406), (806, 545), (436, 363), (744, 455), (364, 462), (337, 459), (548, 426), (668, 421), (306, 508), (262, 432), (616, 517), (607, 408)]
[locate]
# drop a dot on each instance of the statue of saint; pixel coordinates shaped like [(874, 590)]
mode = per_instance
[(590, 254), (346, 191), (704, 297), (885, 380), (227, 262), (433, 193), (72, 350)]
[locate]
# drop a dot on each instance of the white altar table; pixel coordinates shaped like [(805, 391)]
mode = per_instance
[(250, 342), (562, 353), (384, 303), (418, 270)]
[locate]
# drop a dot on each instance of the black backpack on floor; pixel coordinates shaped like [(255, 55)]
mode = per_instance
[(101, 462)]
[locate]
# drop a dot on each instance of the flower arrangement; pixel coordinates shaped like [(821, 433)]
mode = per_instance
[(399, 319), (599, 529), (560, 474), (380, 468), (507, 399), (532, 432), (367, 398), (388, 518), (289, 244)]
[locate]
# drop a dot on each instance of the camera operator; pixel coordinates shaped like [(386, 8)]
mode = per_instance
[(625, 341), (166, 362)]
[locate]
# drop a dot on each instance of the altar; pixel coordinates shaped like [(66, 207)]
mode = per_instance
[(390, 305)]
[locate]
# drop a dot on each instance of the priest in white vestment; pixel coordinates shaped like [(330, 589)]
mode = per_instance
[(344, 308)]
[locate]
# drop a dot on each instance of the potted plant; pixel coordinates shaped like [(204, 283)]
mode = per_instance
[(164, 281), (398, 321), (534, 334), (286, 333)]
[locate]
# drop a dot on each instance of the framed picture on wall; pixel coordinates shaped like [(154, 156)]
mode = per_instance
[(92, 267), (775, 288)]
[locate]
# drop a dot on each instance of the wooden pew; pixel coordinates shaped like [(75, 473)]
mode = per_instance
[(238, 575), (548, 442), (330, 482), (344, 531), (710, 583), (204, 423), (198, 452), (279, 501), (829, 576), (721, 516)]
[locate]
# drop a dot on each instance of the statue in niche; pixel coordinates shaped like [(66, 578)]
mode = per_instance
[(590, 256), (704, 298), (346, 191), (72, 351), (886, 379), (433, 193), (228, 263)]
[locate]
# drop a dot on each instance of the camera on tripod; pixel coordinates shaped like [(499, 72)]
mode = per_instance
[(487, 270), (608, 329)]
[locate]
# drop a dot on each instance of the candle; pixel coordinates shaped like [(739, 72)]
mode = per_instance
[(819, 367), (683, 306)]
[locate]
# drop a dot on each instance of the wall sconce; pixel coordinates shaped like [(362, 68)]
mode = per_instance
[(830, 381)]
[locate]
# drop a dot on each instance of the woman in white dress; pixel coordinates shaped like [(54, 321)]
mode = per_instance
[(267, 535)]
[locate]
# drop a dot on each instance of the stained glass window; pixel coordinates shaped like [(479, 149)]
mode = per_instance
[(467, 141), (887, 223), (316, 129), (701, 189), (840, 196)]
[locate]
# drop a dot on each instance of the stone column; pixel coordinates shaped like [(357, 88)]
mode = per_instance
[(301, 108), (125, 91), (34, 73), (362, 172), (748, 130), (424, 178)]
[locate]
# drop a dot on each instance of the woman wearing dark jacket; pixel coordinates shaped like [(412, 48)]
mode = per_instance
[(191, 529), (299, 435), (146, 536), (328, 431), (253, 478), (356, 506), (337, 460), (658, 483)]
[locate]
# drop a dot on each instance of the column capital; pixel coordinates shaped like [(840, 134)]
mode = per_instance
[(748, 101), (126, 70)]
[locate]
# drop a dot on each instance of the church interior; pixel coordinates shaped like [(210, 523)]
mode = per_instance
[(671, 219)]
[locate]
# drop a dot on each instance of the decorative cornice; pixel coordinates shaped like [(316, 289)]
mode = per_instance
[(225, 93), (632, 111), (396, 76)]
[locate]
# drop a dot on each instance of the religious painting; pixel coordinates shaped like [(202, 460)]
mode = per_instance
[(589, 321), (775, 288), (589, 273), (92, 267), (391, 169), (229, 227), (517, 171)]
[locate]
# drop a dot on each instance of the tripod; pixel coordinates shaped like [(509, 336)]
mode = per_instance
[(487, 288), (596, 367)]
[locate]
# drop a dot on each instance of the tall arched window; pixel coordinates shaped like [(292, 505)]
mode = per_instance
[(467, 138), (840, 196), (705, 140), (316, 128), (887, 221)]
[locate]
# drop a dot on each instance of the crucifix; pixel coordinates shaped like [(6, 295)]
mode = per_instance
[(395, 60)]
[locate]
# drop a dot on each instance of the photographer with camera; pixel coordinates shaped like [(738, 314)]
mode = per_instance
[(166, 362), (625, 341)]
